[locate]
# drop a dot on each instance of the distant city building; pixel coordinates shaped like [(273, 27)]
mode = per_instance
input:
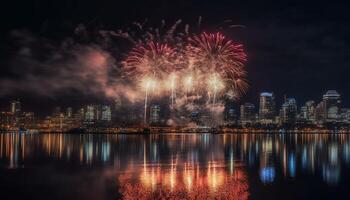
[(106, 113), (345, 115), (331, 101), (27, 120), (303, 114), (310, 111), (247, 113), (230, 115), (320, 113), (15, 107), (6, 120), (289, 111), (154, 114), (98, 112), (69, 112), (267, 108), (90, 113)]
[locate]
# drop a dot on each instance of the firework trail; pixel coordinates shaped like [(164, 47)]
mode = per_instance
[(141, 33)]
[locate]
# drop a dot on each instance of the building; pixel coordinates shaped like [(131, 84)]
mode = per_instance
[(288, 113), (345, 115), (15, 107), (27, 120), (310, 111), (267, 108), (89, 113), (319, 113), (247, 114), (154, 114), (106, 113), (331, 101), (6, 120), (69, 112)]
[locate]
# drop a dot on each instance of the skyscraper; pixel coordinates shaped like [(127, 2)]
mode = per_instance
[(320, 114), (15, 107), (331, 102), (247, 113), (310, 111), (69, 112), (267, 108), (154, 114), (90, 113), (289, 111), (106, 113)]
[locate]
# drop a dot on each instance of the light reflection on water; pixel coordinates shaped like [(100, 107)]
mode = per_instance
[(196, 166)]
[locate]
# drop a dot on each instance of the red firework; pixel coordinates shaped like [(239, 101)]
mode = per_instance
[(150, 60), (214, 54)]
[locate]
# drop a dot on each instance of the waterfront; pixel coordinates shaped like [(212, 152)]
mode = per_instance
[(192, 166)]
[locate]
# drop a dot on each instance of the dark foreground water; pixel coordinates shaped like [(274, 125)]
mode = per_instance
[(176, 166)]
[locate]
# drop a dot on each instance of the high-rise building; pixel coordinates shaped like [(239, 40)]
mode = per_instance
[(56, 111), (310, 111), (27, 120), (303, 113), (267, 108), (230, 115), (154, 114), (69, 112), (15, 107), (331, 102), (289, 111), (98, 112), (345, 115), (106, 113), (90, 113), (247, 113), (319, 112)]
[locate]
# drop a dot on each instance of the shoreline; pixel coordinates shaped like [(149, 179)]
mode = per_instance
[(167, 130)]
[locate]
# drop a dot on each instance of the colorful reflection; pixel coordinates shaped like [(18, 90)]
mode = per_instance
[(195, 166)]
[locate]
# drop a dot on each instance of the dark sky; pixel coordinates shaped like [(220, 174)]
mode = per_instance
[(295, 48)]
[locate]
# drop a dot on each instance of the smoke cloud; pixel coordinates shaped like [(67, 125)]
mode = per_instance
[(48, 68)]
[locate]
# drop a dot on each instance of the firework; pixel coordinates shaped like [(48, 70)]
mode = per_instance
[(213, 54), (151, 60)]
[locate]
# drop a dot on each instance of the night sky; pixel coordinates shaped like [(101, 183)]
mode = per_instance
[(296, 49)]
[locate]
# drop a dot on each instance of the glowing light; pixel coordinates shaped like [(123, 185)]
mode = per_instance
[(213, 53)]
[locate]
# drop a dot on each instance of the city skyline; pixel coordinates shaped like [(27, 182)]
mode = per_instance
[(290, 114)]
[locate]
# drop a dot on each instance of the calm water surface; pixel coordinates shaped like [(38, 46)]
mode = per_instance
[(176, 166)]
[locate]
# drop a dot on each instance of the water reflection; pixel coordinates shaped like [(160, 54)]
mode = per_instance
[(188, 166)]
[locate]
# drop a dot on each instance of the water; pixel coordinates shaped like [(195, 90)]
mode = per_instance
[(196, 166)]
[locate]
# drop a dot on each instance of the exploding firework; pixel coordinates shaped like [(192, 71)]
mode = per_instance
[(152, 60), (173, 61), (221, 60)]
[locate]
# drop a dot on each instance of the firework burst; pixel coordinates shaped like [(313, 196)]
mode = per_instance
[(152, 60), (214, 55)]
